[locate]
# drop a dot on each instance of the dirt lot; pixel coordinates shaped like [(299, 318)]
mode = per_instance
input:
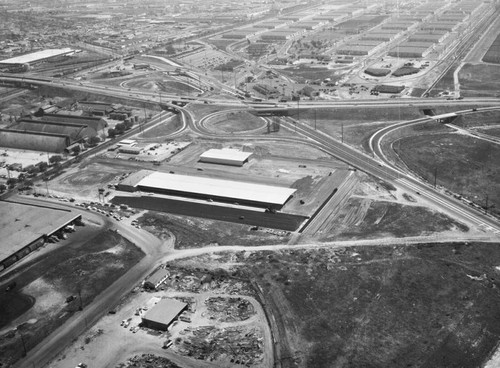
[(83, 266), (465, 165), (195, 232)]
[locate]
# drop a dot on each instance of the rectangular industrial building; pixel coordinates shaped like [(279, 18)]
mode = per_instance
[(163, 314), (226, 156), (410, 52), (207, 188), (36, 56), (24, 227)]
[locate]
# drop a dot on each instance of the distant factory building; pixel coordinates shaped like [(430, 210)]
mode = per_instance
[(35, 57), (35, 141), (96, 123), (96, 108), (76, 132), (161, 316), (225, 156), (156, 279)]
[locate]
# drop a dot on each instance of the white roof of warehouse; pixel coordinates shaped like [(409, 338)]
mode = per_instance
[(226, 154), (39, 55), (218, 187)]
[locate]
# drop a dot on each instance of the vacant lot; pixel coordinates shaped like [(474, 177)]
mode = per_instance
[(382, 219), (493, 53), (85, 266), (463, 164), (478, 119), (192, 232), (495, 132), (426, 306), (480, 80)]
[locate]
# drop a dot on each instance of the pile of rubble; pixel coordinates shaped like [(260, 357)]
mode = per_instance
[(229, 309), (148, 361), (239, 345)]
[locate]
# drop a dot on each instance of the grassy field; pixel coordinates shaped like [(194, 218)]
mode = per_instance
[(478, 119), (192, 232), (426, 306), (464, 164), (480, 80), (303, 72), (88, 264), (235, 121), (163, 129), (495, 132)]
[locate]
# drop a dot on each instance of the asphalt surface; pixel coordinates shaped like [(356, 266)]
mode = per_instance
[(281, 221)]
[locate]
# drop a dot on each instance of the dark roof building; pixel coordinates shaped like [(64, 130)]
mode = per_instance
[(156, 279), (35, 141), (76, 132), (163, 314), (96, 123)]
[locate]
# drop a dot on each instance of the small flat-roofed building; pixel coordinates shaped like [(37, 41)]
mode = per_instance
[(156, 279), (163, 314), (225, 156)]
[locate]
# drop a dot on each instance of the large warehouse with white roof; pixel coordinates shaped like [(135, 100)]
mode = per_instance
[(229, 191)]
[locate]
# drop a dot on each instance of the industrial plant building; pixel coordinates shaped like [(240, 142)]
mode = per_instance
[(161, 316), (35, 57), (24, 228), (228, 191), (35, 141)]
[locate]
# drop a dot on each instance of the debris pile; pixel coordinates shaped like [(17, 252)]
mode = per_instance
[(229, 309), (239, 345)]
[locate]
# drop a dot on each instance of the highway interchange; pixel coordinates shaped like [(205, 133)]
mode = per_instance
[(376, 165)]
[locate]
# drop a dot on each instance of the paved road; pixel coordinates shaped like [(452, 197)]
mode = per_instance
[(56, 341), (386, 172)]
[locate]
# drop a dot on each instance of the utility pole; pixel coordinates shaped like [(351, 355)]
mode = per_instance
[(486, 206), (298, 109), (80, 296), (24, 344), (342, 132), (435, 176), (314, 119)]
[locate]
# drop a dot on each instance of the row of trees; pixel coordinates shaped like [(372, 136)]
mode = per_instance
[(120, 128)]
